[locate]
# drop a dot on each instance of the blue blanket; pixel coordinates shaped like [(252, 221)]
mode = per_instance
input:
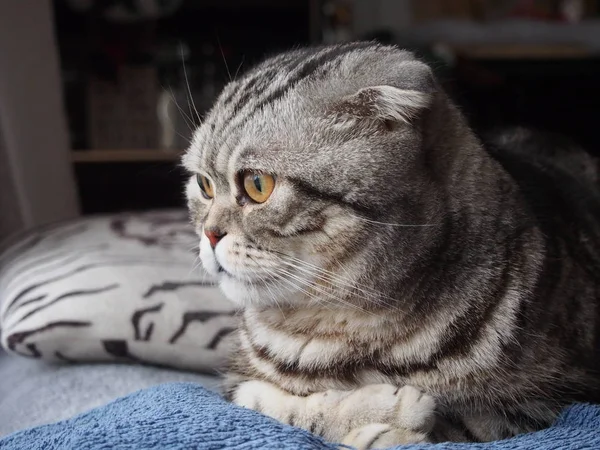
[(186, 416)]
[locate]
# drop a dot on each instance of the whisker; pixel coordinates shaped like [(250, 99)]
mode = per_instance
[(315, 272), (280, 287), (185, 138), (197, 262), (350, 289), (224, 60), (375, 222), (188, 121), (283, 276), (322, 291), (190, 97), (239, 67), (272, 294), (311, 296), (364, 289), (336, 278)]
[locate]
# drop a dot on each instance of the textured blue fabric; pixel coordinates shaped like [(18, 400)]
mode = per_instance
[(186, 416)]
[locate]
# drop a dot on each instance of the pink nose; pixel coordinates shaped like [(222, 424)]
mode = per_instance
[(214, 236)]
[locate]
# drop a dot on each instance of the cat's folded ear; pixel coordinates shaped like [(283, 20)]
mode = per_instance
[(402, 100)]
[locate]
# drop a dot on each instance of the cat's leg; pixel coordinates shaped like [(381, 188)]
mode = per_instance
[(373, 414)]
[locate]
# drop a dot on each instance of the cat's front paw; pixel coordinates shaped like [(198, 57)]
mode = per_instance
[(381, 435), (416, 410), (405, 408)]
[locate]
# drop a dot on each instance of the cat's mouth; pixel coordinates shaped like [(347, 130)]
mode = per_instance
[(223, 271), (220, 268), (245, 280)]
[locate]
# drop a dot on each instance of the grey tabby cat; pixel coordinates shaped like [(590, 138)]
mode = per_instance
[(398, 281)]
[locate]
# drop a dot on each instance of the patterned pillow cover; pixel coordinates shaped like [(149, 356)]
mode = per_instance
[(124, 288)]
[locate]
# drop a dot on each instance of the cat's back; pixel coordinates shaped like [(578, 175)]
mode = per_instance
[(557, 178), (559, 183), (547, 151)]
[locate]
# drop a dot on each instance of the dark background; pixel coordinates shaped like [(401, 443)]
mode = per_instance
[(544, 74)]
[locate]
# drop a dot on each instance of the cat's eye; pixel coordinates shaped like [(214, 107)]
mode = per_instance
[(205, 186), (258, 186)]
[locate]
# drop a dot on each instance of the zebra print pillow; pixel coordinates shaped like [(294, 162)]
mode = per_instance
[(113, 288)]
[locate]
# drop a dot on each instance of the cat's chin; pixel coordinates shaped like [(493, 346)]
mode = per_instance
[(246, 294)]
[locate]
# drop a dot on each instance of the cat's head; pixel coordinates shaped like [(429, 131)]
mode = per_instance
[(299, 165)]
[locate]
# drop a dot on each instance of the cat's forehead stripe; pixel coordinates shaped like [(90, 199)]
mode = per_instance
[(217, 136), (268, 84), (250, 80)]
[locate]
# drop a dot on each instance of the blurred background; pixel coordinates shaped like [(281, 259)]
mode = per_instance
[(96, 95)]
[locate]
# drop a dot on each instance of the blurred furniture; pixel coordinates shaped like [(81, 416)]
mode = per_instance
[(127, 142), (36, 179), (549, 91), (135, 89)]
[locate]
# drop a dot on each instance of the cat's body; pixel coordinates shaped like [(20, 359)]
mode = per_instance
[(394, 251)]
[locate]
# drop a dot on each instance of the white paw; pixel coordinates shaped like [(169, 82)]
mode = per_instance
[(379, 435), (249, 394), (268, 399), (405, 407), (416, 410)]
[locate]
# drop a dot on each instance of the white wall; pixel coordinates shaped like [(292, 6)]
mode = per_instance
[(32, 120)]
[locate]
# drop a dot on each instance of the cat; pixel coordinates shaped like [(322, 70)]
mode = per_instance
[(398, 281)]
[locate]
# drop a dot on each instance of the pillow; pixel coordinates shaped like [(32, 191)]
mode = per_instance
[(126, 287)]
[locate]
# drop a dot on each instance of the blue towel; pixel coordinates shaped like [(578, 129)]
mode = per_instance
[(186, 416)]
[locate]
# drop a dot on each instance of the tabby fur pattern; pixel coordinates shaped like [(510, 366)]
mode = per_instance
[(405, 282)]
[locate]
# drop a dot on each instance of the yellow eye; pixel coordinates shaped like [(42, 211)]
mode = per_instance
[(258, 186), (205, 186)]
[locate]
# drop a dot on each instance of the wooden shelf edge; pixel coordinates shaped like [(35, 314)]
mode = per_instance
[(124, 156)]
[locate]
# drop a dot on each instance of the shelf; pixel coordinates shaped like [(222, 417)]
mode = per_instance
[(124, 156)]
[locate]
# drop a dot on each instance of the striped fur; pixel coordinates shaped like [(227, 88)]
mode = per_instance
[(396, 250)]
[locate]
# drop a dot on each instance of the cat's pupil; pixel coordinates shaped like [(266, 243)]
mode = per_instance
[(257, 183)]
